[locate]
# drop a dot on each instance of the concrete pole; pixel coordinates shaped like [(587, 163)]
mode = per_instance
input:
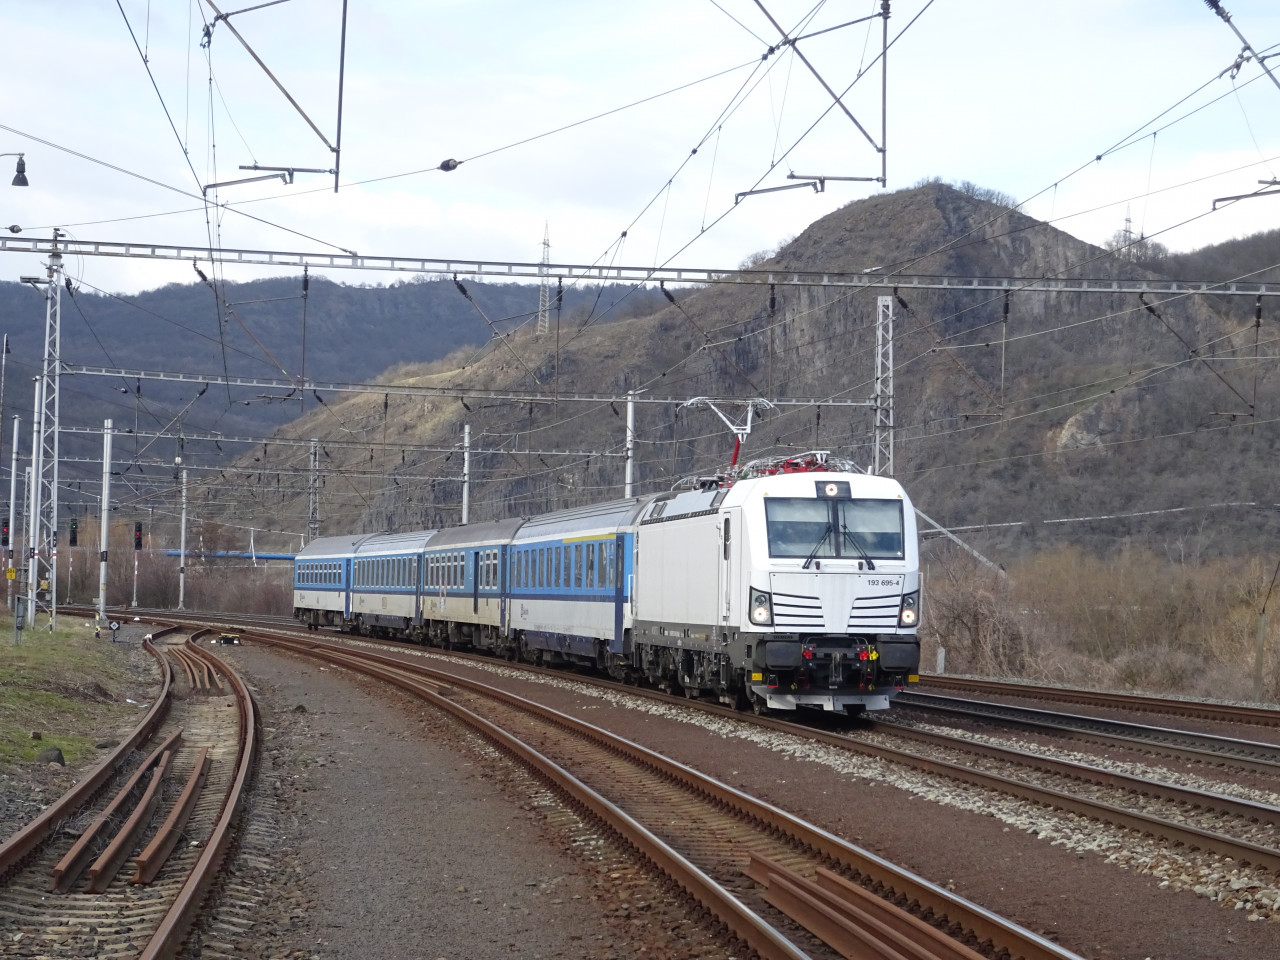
[(631, 442), (466, 473), (105, 524), (182, 546), (13, 506)]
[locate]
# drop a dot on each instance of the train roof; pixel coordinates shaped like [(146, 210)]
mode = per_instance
[(414, 541), (476, 533), (322, 547), (616, 513)]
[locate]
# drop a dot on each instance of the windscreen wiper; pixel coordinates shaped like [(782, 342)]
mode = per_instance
[(817, 546), (850, 538)]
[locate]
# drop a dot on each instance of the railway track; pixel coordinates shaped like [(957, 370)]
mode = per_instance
[(166, 799), (739, 858), (1221, 712), (1185, 745), (1186, 818)]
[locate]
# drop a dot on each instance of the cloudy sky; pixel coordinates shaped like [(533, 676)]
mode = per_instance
[(1016, 96)]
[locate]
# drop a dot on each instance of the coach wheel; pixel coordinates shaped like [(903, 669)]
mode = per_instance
[(759, 706)]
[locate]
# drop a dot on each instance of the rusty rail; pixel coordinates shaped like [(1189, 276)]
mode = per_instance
[(106, 866), (26, 840), (1225, 712), (72, 865), (157, 852), (852, 920), (168, 936)]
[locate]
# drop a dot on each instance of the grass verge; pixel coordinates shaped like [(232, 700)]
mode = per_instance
[(72, 689)]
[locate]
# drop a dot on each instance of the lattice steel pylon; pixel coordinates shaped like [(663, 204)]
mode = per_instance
[(42, 547), (884, 387), (544, 283)]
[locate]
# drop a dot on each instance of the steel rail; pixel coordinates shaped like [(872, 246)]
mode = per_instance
[(1204, 799), (169, 935), (984, 924), (106, 867), (851, 918), (1224, 748), (26, 840), (70, 867), (148, 863), (1225, 712), (1139, 744)]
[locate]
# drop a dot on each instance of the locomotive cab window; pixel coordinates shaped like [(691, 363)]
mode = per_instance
[(851, 529)]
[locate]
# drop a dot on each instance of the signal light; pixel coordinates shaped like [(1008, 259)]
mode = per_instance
[(137, 535), (72, 539), (4, 533)]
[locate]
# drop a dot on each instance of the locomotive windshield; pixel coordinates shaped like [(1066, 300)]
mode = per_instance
[(834, 528)]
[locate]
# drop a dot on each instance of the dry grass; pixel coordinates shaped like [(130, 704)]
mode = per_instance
[(67, 686), (1137, 621)]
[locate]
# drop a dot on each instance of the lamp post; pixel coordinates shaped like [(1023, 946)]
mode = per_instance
[(20, 177)]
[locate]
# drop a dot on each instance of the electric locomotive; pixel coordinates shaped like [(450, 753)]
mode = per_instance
[(793, 585), (796, 587)]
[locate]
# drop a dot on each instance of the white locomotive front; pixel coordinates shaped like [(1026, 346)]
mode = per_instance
[(796, 589)]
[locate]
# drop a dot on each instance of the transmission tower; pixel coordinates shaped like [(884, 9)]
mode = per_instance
[(313, 493), (884, 387), (42, 548), (544, 284)]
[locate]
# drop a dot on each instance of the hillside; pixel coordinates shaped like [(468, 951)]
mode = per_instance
[(1086, 405), (1083, 405), (351, 333)]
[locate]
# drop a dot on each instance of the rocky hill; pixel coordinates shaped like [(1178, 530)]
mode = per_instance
[(1081, 405), (1159, 421)]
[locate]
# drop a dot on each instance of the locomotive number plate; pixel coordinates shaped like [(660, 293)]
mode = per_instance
[(883, 581)]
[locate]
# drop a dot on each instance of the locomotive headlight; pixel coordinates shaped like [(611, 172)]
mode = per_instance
[(909, 613), (761, 612)]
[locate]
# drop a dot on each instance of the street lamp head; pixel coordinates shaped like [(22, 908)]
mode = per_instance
[(20, 179)]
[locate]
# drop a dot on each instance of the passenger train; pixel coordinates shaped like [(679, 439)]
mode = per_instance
[(796, 586)]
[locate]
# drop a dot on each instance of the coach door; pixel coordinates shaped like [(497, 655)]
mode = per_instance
[(346, 593), (419, 567), (619, 589), (475, 582), (503, 586)]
